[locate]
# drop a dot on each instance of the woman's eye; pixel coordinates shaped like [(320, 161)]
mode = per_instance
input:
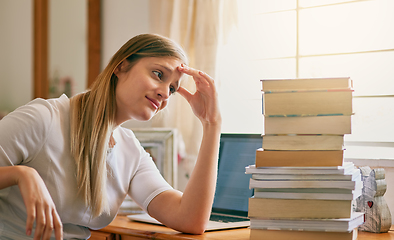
[(158, 74), (172, 90)]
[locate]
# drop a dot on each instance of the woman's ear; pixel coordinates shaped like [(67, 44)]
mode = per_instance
[(118, 69)]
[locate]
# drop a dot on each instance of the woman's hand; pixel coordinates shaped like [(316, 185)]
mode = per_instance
[(39, 205), (189, 212), (204, 102)]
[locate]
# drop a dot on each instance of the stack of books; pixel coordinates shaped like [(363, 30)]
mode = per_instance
[(302, 187)]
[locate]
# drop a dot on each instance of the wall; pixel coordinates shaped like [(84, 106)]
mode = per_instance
[(16, 41), (67, 45), (122, 20)]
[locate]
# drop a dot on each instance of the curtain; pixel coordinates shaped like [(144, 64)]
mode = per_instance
[(198, 26)]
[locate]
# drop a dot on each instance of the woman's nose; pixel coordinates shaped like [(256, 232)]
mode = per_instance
[(164, 91)]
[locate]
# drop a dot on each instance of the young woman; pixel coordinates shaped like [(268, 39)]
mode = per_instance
[(66, 165)]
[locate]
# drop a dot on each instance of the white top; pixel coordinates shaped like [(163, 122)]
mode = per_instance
[(38, 135)]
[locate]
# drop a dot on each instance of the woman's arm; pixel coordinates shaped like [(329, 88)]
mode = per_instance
[(21, 133), (38, 202), (189, 212)]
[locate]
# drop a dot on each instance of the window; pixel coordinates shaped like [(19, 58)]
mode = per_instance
[(314, 38)]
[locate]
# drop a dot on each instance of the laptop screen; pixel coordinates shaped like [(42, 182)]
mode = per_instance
[(232, 188)]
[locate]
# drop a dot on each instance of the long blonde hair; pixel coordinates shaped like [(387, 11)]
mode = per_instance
[(92, 117)]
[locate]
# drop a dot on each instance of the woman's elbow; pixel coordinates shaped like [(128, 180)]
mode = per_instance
[(198, 229), (194, 227)]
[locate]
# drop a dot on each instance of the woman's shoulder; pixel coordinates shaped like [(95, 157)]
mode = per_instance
[(45, 107), (60, 103), (128, 141), (38, 113), (125, 134), (29, 126)]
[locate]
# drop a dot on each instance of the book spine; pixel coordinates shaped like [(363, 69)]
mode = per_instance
[(299, 208), (302, 184), (329, 124), (302, 142), (267, 158), (307, 103), (307, 90), (264, 234), (321, 196)]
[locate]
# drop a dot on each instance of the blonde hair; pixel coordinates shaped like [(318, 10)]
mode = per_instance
[(92, 117)]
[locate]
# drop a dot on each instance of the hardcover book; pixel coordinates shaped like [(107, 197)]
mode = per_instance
[(302, 193), (275, 85), (264, 234), (270, 208), (329, 102), (301, 158), (303, 142), (327, 225), (305, 184), (346, 168), (339, 125)]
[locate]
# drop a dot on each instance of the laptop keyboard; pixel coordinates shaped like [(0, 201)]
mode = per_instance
[(225, 219)]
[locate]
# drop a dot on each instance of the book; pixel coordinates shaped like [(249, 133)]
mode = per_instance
[(302, 193), (264, 234), (346, 168), (271, 208), (303, 142), (338, 125), (304, 184), (306, 84), (310, 190), (328, 225), (294, 158), (351, 176), (335, 102)]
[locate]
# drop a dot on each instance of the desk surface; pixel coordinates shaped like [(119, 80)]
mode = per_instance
[(123, 226)]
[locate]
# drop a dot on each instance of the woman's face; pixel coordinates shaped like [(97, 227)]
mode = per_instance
[(146, 87)]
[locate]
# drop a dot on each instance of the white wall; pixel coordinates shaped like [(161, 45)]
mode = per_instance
[(68, 43), (122, 20), (16, 48)]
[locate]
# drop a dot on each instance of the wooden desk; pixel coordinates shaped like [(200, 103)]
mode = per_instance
[(124, 229)]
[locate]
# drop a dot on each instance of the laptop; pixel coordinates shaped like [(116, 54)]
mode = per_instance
[(230, 206)]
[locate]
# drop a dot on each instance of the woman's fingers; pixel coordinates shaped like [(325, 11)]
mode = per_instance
[(198, 76), (47, 221), (185, 93), (40, 223), (204, 101), (207, 77), (57, 223), (48, 228), (39, 206), (31, 216)]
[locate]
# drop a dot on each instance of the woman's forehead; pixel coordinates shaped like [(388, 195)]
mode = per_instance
[(171, 62)]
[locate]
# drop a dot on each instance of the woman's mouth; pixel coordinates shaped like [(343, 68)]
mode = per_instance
[(155, 104)]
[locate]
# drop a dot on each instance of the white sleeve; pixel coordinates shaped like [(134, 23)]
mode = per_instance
[(23, 132), (147, 182)]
